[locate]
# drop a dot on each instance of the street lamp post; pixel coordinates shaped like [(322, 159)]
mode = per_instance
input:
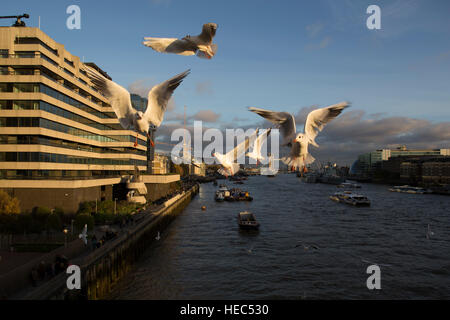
[(65, 237)]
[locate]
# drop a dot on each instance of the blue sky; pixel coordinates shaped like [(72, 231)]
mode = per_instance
[(281, 55), (274, 54)]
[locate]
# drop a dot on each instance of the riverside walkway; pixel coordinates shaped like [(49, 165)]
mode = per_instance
[(88, 255)]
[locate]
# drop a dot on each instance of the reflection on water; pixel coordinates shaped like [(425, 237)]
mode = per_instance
[(307, 247)]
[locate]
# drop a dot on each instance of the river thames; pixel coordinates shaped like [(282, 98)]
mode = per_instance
[(308, 247)]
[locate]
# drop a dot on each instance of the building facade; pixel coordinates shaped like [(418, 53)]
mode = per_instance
[(369, 162), (60, 141), (160, 164)]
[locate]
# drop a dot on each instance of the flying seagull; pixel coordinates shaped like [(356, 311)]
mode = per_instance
[(83, 235), (229, 166), (257, 145), (298, 142), (200, 45), (120, 100)]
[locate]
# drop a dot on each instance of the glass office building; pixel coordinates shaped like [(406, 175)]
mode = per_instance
[(60, 141)]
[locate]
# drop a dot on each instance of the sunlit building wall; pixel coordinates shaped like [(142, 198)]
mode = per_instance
[(60, 141)]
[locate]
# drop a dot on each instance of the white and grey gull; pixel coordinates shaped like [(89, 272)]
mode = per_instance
[(120, 100), (200, 45), (299, 156)]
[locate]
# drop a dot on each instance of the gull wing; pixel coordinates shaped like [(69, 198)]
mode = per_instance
[(183, 47), (118, 97), (241, 148), (317, 119), (284, 120), (159, 96)]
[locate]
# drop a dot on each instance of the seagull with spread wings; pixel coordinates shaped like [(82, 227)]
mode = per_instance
[(257, 145), (200, 45), (229, 166), (299, 156), (120, 100)]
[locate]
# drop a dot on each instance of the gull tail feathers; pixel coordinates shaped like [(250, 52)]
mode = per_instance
[(293, 162), (298, 162), (309, 159), (235, 167)]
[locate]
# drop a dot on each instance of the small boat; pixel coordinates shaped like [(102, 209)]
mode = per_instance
[(349, 185), (309, 177), (409, 189), (247, 221), (244, 196), (239, 195), (348, 197)]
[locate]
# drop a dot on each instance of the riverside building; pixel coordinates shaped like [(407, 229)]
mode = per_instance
[(60, 141), (369, 162)]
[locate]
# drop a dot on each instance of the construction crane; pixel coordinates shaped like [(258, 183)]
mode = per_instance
[(19, 22)]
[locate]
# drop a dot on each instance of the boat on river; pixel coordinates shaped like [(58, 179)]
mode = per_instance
[(409, 189), (309, 177), (349, 185), (351, 198), (247, 221), (239, 195)]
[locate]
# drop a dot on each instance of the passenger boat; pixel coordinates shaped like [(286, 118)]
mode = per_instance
[(244, 196), (247, 221), (409, 189), (309, 177), (239, 195), (349, 185), (350, 198)]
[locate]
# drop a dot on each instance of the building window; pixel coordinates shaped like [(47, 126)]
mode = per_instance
[(70, 63), (62, 158), (25, 105), (25, 54), (25, 87), (43, 56), (24, 71), (33, 40)]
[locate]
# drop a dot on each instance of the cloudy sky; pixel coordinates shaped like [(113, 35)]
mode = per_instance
[(281, 55)]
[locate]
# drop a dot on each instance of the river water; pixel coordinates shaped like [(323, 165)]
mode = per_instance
[(204, 255)]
